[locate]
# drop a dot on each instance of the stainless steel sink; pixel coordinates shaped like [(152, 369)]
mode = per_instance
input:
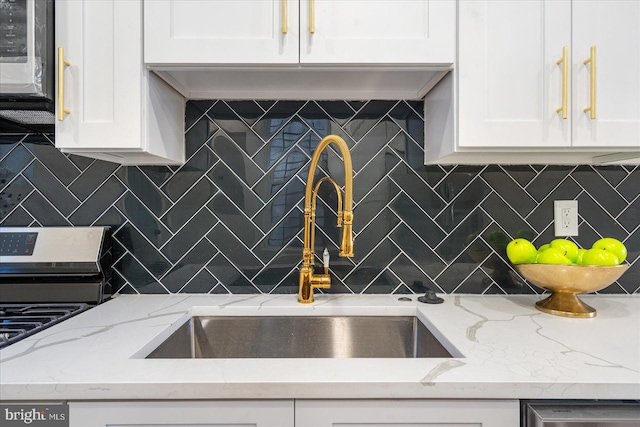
[(301, 337)]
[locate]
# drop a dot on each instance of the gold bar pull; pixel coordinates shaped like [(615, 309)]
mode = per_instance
[(592, 84), (285, 17), (565, 82), (61, 63), (312, 17)]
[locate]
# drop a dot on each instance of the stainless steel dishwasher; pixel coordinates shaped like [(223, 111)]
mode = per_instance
[(583, 414)]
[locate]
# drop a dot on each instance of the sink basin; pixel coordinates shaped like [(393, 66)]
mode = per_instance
[(301, 337)]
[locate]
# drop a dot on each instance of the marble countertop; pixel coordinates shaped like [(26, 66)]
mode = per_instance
[(505, 348)]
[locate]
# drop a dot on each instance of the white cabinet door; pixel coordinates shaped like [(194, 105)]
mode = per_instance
[(102, 84), (118, 111), (220, 413), (613, 27), (410, 413), (221, 31), (509, 82), (377, 32)]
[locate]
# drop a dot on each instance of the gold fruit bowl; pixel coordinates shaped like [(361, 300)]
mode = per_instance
[(566, 281)]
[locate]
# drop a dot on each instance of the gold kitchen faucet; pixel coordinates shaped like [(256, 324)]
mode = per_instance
[(308, 279)]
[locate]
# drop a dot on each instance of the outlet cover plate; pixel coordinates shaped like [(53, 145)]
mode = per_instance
[(565, 217)]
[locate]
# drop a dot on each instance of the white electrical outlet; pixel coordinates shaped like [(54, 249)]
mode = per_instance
[(565, 217)]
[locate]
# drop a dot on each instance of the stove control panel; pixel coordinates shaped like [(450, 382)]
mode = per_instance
[(51, 245), (14, 244)]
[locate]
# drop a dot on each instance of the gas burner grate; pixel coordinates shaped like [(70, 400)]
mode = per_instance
[(18, 321)]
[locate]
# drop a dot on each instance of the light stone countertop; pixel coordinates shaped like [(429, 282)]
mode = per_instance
[(508, 350)]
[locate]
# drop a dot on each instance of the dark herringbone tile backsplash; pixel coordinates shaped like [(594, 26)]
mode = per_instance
[(230, 219)]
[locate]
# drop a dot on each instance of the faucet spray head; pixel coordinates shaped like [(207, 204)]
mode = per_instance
[(346, 246)]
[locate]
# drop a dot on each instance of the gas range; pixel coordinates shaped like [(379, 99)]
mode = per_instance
[(49, 274), (18, 321)]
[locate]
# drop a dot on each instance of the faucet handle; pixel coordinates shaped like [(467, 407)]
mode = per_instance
[(325, 260)]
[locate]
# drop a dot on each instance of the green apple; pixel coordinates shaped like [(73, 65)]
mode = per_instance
[(543, 247), (581, 252), (570, 249), (595, 256), (552, 256), (613, 245), (521, 251)]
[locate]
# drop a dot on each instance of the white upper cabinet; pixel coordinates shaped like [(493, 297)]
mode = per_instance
[(523, 84), (221, 31), (613, 28), (299, 31), (116, 110), (300, 49), (509, 83), (377, 32)]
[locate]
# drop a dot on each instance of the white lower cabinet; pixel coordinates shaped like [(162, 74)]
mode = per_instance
[(218, 413), (407, 413), (298, 413)]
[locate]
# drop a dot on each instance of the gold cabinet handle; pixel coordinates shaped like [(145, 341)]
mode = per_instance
[(285, 17), (565, 82), (61, 63), (592, 83), (312, 17)]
